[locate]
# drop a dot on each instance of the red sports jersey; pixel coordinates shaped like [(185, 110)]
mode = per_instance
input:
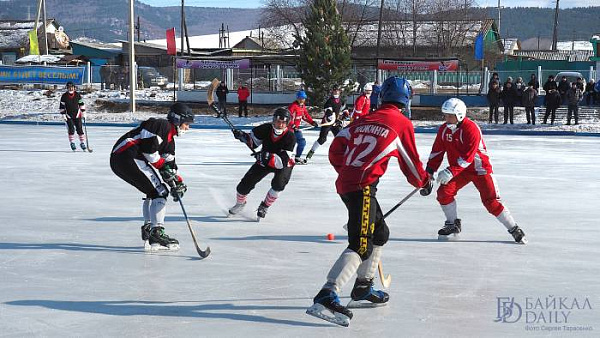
[(361, 107), (360, 153), (298, 113), (465, 147)]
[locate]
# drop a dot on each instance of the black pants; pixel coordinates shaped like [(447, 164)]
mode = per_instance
[(552, 113), (573, 109), (509, 111), (493, 113), (530, 114), (257, 172), (74, 123), (223, 106), (366, 226), (139, 174), (243, 105), (325, 130)]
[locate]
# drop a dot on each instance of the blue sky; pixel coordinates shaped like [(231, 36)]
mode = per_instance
[(259, 3)]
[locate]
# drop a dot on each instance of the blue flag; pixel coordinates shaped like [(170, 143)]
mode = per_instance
[(479, 47)]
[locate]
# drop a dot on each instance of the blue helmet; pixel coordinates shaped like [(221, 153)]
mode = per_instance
[(395, 89), (301, 94)]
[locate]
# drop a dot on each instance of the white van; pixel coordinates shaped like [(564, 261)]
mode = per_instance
[(571, 77)]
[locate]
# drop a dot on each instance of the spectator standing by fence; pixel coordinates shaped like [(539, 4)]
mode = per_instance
[(222, 92), (243, 94), (590, 94), (549, 86), (553, 100), (530, 96), (493, 97), (519, 88), (574, 95), (563, 88), (509, 97), (533, 82), (374, 99)]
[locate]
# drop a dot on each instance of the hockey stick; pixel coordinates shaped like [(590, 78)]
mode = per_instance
[(204, 253), (213, 106), (87, 139)]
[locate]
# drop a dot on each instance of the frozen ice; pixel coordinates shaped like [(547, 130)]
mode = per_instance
[(72, 261)]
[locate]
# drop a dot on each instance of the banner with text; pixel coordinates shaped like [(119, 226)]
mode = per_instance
[(418, 66), (41, 74), (213, 64)]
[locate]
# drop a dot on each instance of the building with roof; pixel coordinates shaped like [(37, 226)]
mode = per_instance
[(14, 39)]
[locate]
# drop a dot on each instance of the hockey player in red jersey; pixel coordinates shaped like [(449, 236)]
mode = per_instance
[(72, 109), (141, 158), (362, 105), (360, 154), (468, 159), (275, 156), (298, 113)]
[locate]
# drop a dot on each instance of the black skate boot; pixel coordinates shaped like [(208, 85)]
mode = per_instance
[(83, 147), (262, 211), (309, 156), (363, 295), (327, 306), (450, 229), (299, 160), (236, 208), (158, 240), (73, 146), (146, 235), (518, 235)]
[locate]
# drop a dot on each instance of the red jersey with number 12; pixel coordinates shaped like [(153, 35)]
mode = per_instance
[(360, 153)]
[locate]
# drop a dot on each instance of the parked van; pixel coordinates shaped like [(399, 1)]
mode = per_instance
[(571, 77)]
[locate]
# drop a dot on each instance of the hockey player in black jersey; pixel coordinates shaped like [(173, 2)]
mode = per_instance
[(335, 112), (145, 158), (276, 156), (72, 109)]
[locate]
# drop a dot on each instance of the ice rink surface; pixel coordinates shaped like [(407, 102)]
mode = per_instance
[(72, 262)]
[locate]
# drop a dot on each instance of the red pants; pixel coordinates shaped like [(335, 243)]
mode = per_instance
[(486, 184)]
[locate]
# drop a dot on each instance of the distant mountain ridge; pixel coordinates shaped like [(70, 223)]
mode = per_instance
[(107, 20)]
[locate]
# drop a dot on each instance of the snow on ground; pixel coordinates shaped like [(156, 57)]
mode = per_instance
[(34, 105), (72, 261)]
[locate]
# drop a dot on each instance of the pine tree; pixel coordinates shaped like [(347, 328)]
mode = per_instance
[(324, 51)]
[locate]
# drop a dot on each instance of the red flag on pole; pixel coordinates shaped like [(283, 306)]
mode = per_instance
[(171, 46)]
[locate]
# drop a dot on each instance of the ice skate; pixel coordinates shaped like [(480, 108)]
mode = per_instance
[(364, 296), (234, 210), (299, 160), (146, 235), (73, 146), (309, 156), (518, 235), (158, 240), (262, 211), (83, 147), (327, 306), (450, 229)]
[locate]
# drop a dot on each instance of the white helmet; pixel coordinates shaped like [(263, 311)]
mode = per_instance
[(456, 107), (367, 87)]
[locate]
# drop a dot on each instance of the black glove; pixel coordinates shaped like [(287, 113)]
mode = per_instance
[(239, 135), (168, 175), (315, 124), (427, 188), (177, 190)]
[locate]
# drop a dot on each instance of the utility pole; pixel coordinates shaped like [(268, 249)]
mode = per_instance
[(555, 33), (499, 7), (44, 25), (377, 79), (132, 68)]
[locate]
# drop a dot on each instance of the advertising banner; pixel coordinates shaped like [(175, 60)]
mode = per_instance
[(418, 66), (41, 74), (213, 64)]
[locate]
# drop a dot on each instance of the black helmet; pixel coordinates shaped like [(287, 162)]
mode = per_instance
[(180, 113), (281, 114)]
